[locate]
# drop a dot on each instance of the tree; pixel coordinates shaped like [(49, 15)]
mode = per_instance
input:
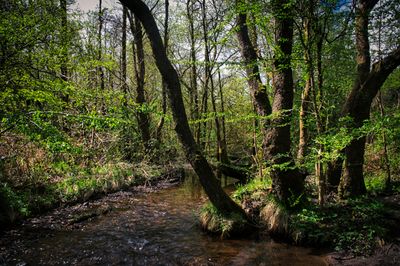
[(140, 68), (194, 97), (123, 59), (100, 49), (250, 60), (287, 180), (164, 85), (64, 26), (367, 83), (193, 153)]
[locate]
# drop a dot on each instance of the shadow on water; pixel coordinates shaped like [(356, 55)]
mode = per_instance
[(157, 228)]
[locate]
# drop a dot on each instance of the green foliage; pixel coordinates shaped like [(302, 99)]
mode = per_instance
[(375, 184), (256, 184), (354, 225), (14, 200), (98, 180)]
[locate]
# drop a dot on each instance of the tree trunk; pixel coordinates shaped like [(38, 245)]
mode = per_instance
[(140, 68), (305, 96), (199, 163), (287, 181), (257, 89), (123, 59), (194, 98), (386, 160), (164, 85), (333, 174), (206, 74), (64, 54), (217, 123), (99, 39), (224, 148)]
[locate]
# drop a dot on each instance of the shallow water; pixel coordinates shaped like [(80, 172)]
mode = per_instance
[(158, 228)]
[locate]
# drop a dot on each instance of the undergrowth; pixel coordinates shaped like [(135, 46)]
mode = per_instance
[(356, 225), (65, 183)]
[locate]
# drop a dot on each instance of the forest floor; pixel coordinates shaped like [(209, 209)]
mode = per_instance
[(385, 253)]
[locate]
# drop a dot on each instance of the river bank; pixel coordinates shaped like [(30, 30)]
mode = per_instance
[(142, 226), (65, 186)]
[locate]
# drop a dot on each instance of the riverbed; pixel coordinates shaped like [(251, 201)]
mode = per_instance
[(141, 226)]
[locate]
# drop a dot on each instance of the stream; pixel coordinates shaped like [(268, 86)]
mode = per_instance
[(140, 227)]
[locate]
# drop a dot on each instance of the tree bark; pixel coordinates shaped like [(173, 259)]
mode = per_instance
[(287, 181), (217, 122), (193, 153)]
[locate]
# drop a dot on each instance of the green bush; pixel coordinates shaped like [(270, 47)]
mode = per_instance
[(353, 226)]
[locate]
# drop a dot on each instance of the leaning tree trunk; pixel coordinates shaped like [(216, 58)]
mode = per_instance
[(358, 104), (287, 181), (216, 194)]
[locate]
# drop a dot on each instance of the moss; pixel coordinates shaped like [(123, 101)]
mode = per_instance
[(256, 185), (213, 221)]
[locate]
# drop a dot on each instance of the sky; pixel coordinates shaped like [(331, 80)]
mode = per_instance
[(86, 5)]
